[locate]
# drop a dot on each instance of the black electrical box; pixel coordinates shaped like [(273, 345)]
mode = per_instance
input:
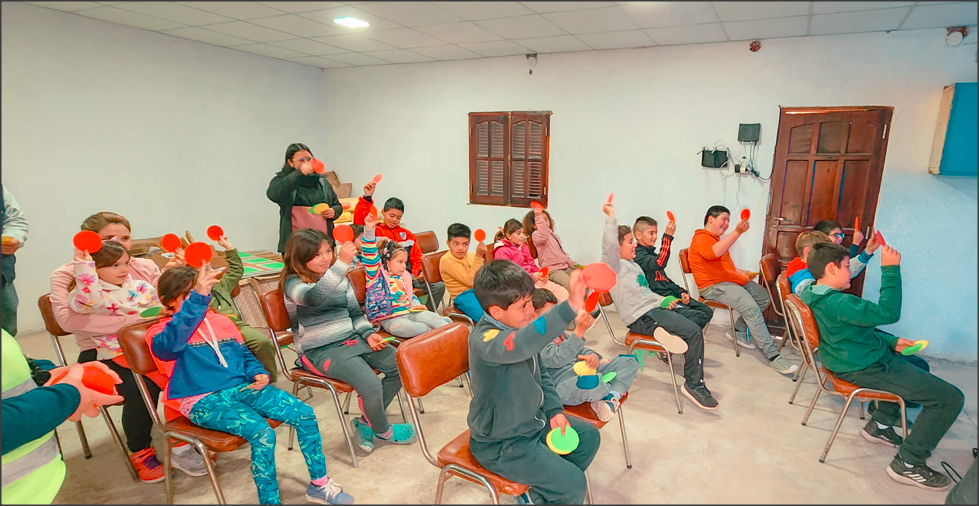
[(749, 132), (713, 159)]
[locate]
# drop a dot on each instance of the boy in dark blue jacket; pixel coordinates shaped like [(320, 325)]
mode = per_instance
[(514, 403), (218, 384)]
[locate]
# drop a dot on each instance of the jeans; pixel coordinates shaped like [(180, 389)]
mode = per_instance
[(750, 301), (9, 301), (413, 324)]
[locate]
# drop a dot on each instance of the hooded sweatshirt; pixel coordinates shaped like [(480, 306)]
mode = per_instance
[(513, 395), (709, 269), (848, 336), (209, 352), (800, 277), (518, 255), (631, 293), (550, 253)]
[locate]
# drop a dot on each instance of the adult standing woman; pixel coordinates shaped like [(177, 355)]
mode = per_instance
[(136, 422), (296, 188)]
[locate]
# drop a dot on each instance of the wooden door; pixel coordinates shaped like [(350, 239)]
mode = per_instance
[(828, 166)]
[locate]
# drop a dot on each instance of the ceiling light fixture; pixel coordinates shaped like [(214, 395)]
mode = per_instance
[(351, 22), (955, 35)]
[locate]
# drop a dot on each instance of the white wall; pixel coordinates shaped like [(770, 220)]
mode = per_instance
[(174, 134), (632, 122)]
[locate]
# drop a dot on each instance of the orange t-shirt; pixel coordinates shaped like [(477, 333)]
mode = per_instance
[(709, 269)]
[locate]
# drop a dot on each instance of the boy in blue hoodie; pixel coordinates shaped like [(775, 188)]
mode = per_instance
[(219, 385), (514, 403)]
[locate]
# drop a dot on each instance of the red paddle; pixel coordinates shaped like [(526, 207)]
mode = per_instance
[(377, 179), (592, 301), (544, 271), (536, 205), (599, 277), (480, 235), (170, 242), (318, 166), (197, 254), (669, 216), (345, 205), (745, 214), (93, 378), (610, 195), (880, 238), (343, 233), (373, 213), (215, 233), (89, 241), (856, 223)]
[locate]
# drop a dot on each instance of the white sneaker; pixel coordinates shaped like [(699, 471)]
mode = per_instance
[(748, 345), (188, 460), (783, 366), (602, 409)]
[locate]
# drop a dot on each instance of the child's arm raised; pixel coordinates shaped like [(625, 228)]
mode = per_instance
[(364, 203), (863, 313), (372, 260), (87, 293), (502, 347), (610, 238), (235, 268)]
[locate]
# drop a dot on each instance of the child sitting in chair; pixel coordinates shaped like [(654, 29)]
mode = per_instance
[(221, 386), (561, 354), (851, 346), (458, 269), (799, 275), (514, 403)]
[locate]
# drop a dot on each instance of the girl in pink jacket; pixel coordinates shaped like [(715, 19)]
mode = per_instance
[(511, 244), (539, 226)]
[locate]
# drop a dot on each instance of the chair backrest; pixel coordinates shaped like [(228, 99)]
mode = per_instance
[(430, 266), (274, 307), (684, 261), (427, 241), (47, 313), (489, 252), (358, 281), (803, 327), (783, 287), (236, 292), (605, 299), (429, 361), (769, 268), (132, 340)]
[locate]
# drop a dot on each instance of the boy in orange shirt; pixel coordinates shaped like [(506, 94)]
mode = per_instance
[(719, 280)]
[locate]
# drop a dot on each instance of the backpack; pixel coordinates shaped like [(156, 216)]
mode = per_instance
[(377, 301)]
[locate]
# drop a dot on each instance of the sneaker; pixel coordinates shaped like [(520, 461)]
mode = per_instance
[(330, 493), (401, 433), (744, 343), (783, 366), (873, 433), (920, 476), (364, 434), (604, 410), (700, 396), (188, 460), (149, 469), (672, 342)]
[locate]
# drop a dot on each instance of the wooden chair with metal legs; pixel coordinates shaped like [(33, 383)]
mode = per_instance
[(427, 362), (280, 330), (56, 332), (800, 316), (132, 339), (633, 342), (685, 269), (584, 412), (768, 270)]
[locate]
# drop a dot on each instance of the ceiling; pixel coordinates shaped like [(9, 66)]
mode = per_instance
[(414, 32)]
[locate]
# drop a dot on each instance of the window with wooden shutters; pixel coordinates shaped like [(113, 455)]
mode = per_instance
[(508, 154)]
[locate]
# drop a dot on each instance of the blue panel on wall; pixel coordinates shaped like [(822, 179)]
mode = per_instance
[(959, 157)]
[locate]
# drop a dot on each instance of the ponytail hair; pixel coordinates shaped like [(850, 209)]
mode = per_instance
[(509, 227)]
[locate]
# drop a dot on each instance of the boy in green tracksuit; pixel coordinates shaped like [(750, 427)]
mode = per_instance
[(221, 302), (851, 347), (514, 403)]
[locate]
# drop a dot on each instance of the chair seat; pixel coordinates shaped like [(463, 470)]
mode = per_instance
[(457, 452), (714, 304), (212, 439), (846, 388), (296, 373), (584, 412), (632, 337)]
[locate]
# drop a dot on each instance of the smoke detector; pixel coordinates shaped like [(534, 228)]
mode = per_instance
[(955, 35)]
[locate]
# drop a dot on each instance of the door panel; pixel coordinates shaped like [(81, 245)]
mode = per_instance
[(828, 165)]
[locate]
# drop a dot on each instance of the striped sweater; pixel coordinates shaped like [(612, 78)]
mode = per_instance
[(403, 300), (324, 312)]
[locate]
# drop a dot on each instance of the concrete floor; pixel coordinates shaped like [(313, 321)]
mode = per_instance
[(753, 449)]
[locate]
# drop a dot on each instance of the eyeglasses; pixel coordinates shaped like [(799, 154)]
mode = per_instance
[(302, 160), (838, 235)]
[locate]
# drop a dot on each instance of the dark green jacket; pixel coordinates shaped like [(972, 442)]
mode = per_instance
[(848, 336), (513, 395), (221, 300), (290, 188)]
